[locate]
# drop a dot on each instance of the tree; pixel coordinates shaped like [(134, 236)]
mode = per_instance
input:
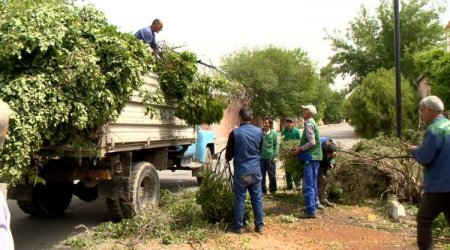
[(330, 101), (436, 63), (371, 106), (368, 43), (279, 80)]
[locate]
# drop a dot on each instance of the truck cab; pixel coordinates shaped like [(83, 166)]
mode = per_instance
[(197, 156)]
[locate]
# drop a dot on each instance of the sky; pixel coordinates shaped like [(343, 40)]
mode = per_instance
[(214, 29)]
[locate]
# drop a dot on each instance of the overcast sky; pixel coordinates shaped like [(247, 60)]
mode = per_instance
[(213, 29)]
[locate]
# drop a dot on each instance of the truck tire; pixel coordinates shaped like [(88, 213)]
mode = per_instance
[(144, 192), (114, 208), (208, 164), (49, 200)]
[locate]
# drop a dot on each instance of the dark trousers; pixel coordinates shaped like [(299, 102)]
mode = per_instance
[(432, 205), (322, 183), (241, 184), (267, 167)]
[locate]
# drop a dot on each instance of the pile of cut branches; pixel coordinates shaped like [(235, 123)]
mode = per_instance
[(374, 168), (290, 162)]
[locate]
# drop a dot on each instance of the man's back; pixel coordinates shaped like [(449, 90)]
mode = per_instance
[(247, 149), (147, 35), (437, 163)]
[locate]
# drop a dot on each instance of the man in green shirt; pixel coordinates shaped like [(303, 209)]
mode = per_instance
[(269, 151), (290, 133)]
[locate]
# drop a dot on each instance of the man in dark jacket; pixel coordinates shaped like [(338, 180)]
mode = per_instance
[(244, 145), (328, 161)]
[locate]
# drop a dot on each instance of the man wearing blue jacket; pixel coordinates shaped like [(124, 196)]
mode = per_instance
[(328, 161), (244, 145), (434, 154), (147, 34)]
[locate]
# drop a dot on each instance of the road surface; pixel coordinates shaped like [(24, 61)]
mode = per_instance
[(48, 233), (343, 134)]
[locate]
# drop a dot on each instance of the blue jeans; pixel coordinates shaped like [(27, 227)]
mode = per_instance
[(267, 167), (252, 182), (310, 185)]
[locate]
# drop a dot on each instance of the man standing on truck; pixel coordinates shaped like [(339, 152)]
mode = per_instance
[(244, 145), (147, 34), (6, 239)]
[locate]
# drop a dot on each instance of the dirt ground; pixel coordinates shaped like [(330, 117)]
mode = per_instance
[(341, 227), (337, 228)]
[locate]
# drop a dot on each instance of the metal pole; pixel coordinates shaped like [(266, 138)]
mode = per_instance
[(398, 85)]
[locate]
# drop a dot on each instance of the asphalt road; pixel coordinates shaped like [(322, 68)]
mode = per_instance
[(343, 134), (47, 233)]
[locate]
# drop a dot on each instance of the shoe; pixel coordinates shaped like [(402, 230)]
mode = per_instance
[(232, 229), (306, 215), (320, 207), (259, 229), (328, 204)]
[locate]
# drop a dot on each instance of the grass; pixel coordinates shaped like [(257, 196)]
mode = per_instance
[(178, 220)]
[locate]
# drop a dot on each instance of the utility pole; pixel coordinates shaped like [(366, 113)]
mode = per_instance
[(398, 86)]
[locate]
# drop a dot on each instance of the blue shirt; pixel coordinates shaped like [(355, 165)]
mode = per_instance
[(244, 145), (434, 154), (148, 36)]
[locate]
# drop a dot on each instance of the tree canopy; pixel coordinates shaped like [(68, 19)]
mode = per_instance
[(436, 65), (368, 43), (371, 106), (279, 80)]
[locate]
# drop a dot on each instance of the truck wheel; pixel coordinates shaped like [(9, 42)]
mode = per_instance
[(50, 200), (208, 164), (144, 192), (114, 208)]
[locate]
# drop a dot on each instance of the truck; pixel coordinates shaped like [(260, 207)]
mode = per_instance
[(123, 170)]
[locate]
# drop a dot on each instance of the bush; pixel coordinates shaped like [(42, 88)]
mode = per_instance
[(216, 197), (371, 107)]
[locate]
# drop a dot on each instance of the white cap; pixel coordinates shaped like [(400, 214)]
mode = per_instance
[(311, 108)]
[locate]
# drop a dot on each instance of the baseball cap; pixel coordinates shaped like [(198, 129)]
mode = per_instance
[(288, 119), (311, 108)]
